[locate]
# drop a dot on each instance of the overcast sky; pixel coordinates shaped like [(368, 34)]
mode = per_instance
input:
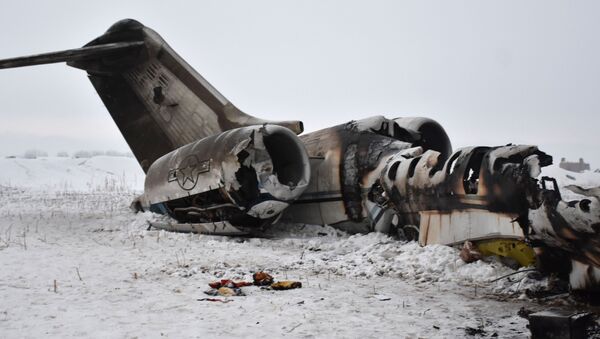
[(490, 72)]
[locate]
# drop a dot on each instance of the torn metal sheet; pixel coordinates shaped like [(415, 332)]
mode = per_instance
[(458, 226), (565, 235)]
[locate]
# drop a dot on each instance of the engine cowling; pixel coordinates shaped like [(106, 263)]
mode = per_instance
[(432, 135), (245, 176)]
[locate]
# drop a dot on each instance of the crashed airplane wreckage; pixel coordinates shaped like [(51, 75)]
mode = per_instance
[(214, 169)]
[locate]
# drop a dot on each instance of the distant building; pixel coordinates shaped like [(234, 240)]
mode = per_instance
[(577, 167)]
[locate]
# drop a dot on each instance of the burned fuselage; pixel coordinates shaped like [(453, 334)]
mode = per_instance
[(212, 168), (346, 161)]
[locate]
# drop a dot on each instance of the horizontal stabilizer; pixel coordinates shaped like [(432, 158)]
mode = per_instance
[(71, 54)]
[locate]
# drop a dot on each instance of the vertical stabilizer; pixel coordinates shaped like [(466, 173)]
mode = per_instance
[(158, 101)]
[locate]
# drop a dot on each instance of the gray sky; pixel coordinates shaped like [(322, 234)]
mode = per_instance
[(490, 72)]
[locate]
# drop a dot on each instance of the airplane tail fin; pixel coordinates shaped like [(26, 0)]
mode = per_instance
[(158, 101)]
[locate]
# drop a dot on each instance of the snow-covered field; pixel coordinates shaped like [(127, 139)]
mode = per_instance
[(76, 262)]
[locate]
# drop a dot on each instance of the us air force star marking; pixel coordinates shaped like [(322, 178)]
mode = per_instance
[(188, 172)]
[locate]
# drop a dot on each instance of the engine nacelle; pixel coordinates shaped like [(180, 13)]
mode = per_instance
[(432, 135), (245, 176)]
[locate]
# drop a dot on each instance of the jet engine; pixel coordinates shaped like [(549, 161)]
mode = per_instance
[(430, 134), (238, 180)]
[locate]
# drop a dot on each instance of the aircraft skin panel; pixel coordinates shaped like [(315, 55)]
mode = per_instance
[(143, 134), (182, 115), (456, 227), (344, 160)]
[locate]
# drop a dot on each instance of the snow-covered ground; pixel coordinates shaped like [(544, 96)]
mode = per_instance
[(67, 221), (53, 174)]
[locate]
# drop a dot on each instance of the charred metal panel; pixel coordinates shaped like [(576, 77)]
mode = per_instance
[(493, 192), (352, 156), (555, 324), (456, 227), (183, 116), (571, 228), (349, 154), (144, 135), (476, 193), (496, 179)]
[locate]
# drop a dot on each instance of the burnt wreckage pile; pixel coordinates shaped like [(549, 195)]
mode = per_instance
[(211, 168), (489, 195)]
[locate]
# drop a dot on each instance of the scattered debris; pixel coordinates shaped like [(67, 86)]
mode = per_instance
[(286, 285), (472, 331), (262, 279), (230, 288), (381, 297), (226, 292), (554, 289), (513, 273), (469, 252), (559, 324), (229, 283)]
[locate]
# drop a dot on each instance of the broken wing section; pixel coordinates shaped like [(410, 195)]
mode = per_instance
[(235, 182)]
